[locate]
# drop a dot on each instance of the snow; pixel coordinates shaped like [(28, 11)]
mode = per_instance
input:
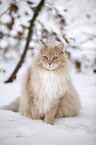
[(81, 33), (16, 129), (81, 25)]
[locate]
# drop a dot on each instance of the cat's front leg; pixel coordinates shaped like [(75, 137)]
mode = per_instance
[(35, 113), (50, 115)]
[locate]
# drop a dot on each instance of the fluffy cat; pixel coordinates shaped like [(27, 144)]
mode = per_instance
[(47, 89)]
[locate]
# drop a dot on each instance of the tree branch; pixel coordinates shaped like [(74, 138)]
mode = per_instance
[(13, 75), (9, 8), (12, 36)]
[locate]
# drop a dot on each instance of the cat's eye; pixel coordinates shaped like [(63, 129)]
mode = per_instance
[(54, 58), (45, 57)]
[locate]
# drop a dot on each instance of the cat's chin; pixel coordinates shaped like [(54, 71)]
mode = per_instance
[(50, 68)]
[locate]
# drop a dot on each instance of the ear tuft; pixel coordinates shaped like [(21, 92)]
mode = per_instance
[(42, 44), (61, 46)]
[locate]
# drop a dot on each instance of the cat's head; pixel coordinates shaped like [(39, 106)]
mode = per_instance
[(51, 57)]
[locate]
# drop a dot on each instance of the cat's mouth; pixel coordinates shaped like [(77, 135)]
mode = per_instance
[(50, 67)]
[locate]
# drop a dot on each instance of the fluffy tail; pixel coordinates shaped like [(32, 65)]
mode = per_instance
[(13, 106)]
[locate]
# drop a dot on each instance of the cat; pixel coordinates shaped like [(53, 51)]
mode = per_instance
[(47, 89)]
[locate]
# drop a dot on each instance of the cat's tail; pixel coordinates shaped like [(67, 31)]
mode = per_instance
[(13, 106)]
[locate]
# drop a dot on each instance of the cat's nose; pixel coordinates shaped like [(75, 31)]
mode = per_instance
[(49, 63)]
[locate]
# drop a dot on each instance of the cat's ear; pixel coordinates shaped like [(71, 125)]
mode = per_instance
[(42, 45), (61, 47)]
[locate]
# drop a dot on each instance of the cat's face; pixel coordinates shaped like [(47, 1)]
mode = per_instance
[(51, 57)]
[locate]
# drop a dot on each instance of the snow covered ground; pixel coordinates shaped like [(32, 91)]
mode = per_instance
[(80, 130)]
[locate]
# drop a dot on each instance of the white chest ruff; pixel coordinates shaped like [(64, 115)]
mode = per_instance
[(51, 87)]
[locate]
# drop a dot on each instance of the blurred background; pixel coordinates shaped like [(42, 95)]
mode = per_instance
[(71, 21)]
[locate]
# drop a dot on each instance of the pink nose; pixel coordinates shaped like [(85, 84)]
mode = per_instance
[(49, 63)]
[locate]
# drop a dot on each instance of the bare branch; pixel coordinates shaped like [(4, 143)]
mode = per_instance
[(12, 36), (9, 8), (38, 8)]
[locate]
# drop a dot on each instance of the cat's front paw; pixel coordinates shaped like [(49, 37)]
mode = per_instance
[(49, 121), (36, 117)]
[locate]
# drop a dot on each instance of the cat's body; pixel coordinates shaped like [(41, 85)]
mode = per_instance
[(47, 89)]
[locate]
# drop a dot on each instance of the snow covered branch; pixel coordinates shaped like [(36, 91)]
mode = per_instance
[(13, 75)]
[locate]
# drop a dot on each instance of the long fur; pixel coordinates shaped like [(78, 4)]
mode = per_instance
[(48, 92), (13, 106)]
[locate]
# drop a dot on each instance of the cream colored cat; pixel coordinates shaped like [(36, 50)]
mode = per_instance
[(47, 90)]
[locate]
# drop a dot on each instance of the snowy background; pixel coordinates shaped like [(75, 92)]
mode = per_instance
[(74, 23)]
